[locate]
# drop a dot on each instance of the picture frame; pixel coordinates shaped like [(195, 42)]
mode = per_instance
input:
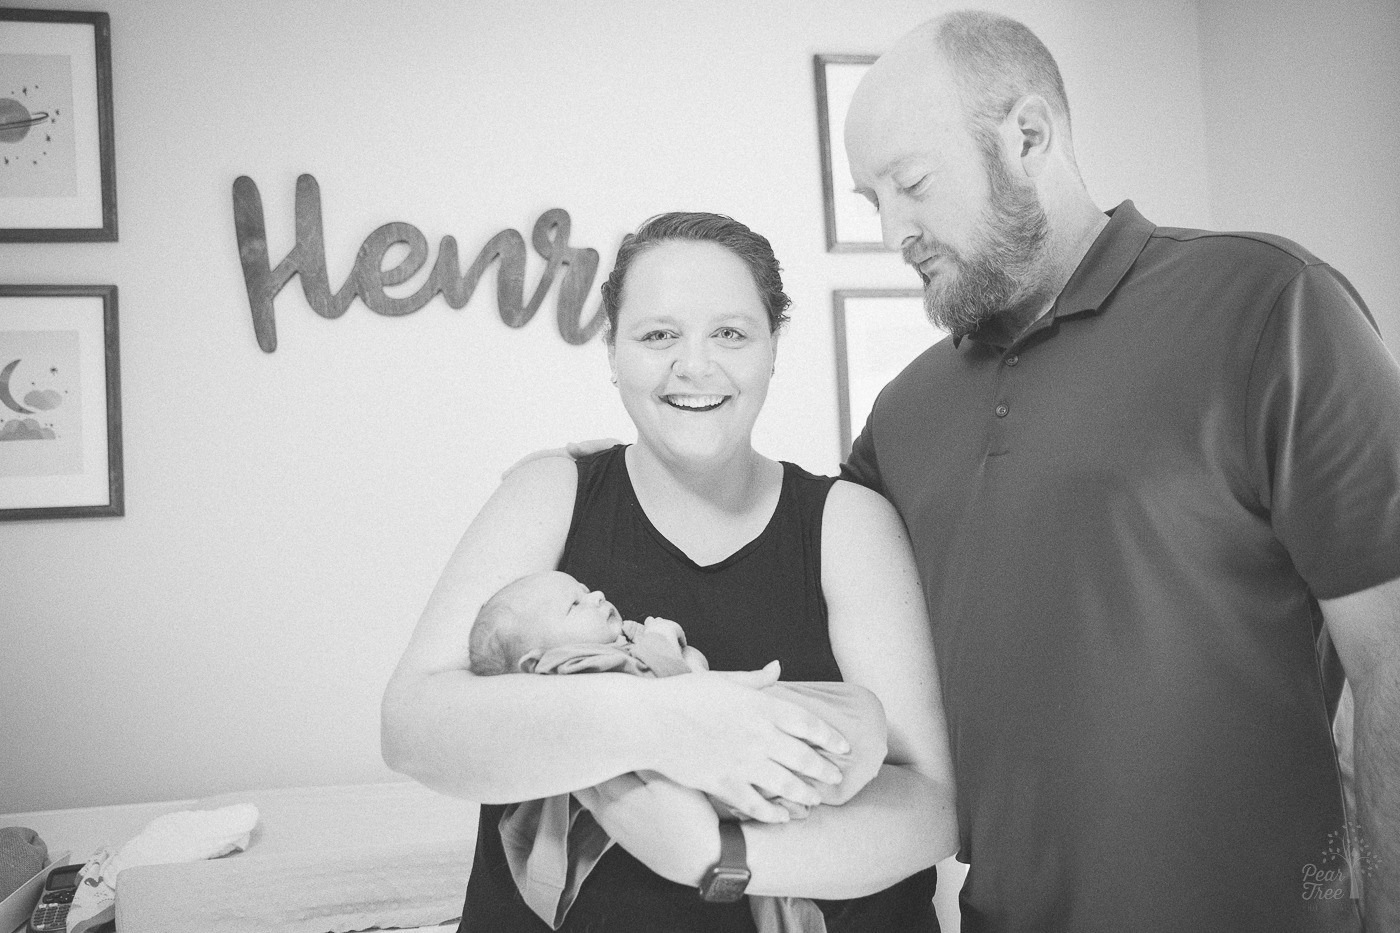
[(852, 222), (57, 164), (878, 332), (60, 402)]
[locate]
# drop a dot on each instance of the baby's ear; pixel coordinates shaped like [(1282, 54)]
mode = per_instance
[(529, 661)]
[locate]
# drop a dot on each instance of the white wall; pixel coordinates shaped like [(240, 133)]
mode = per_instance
[(287, 514), (1302, 128)]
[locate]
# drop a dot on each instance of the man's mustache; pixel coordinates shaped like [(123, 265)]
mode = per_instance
[(917, 251)]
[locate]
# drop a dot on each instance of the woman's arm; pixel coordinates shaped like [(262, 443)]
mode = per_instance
[(904, 820), (520, 736)]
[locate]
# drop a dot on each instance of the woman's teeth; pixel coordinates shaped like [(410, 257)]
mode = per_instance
[(695, 402)]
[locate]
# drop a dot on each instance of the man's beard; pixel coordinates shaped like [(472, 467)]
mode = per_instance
[(998, 276)]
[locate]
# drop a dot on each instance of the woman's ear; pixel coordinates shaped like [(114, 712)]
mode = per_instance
[(612, 360)]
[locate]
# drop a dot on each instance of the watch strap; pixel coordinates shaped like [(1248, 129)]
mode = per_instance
[(733, 851), (726, 880)]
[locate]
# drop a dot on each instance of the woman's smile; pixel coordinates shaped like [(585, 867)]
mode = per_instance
[(698, 403)]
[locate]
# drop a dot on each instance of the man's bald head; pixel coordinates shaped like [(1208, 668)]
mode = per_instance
[(993, 61)]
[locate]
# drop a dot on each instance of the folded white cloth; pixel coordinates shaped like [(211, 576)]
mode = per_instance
[(185, 836)]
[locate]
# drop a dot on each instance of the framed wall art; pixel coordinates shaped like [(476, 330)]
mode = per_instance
[(57, 168), (60, 402), (852, 223), (878, 332)]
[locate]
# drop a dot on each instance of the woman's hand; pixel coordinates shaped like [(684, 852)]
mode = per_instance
[(721, 735), (632, 809)]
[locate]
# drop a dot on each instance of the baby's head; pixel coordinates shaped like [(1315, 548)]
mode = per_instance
[(538, 612)]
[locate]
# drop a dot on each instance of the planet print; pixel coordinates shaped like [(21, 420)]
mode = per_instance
[(15, 120), (38, 145)]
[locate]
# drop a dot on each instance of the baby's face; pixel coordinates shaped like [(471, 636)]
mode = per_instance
[(564, 612)]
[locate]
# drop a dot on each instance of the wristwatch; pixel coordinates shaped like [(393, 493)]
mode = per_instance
[(726, 880)]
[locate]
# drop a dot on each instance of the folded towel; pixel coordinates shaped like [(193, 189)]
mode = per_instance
[(22, 854)]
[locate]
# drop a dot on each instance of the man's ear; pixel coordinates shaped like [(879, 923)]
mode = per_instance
[(529, 661), (1029, 131)]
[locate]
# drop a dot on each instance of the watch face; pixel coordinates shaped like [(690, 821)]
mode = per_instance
[(725, 885)]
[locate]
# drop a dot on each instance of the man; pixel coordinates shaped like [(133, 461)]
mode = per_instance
[(1147, 470)]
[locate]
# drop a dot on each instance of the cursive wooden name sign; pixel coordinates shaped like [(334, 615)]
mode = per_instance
[(368, 279)]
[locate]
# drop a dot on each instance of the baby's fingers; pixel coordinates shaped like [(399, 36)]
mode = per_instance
[(779, 783), (801, 757), (748, 803)]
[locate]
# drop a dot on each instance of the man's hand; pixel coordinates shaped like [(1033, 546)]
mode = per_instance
[(574, 449), (725, 737)]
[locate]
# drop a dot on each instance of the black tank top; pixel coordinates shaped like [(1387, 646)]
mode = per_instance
[(762, 602)]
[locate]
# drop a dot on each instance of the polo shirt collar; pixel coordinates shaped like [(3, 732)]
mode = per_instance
[(1108, 260), (1113, 253)]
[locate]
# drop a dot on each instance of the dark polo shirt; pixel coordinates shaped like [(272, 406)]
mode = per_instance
[(1123, 521)]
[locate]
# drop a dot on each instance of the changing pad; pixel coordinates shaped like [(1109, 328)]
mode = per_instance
[(389, 887), (321, 860)]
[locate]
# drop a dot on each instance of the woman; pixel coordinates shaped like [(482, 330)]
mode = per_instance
[(759, 561)]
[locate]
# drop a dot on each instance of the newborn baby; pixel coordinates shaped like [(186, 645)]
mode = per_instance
[(550, 623)]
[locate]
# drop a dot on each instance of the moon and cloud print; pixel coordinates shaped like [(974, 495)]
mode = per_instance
[(38, 156), (40, 403)]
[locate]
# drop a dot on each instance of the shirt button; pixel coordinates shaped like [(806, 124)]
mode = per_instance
[(1002, 411), (1012, 360)]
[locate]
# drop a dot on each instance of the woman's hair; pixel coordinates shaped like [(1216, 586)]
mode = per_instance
[(753, 248)]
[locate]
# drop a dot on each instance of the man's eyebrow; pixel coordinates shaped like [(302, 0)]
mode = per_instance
[(895, 164)]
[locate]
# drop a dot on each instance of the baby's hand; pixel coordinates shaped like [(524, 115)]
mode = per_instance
[(797, 811), (673, 633)]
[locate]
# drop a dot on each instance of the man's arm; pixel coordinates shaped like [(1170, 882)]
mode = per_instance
[(1365, 627), (861, 465)]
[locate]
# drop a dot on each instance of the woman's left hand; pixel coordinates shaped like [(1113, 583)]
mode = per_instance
[(631, 808)]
